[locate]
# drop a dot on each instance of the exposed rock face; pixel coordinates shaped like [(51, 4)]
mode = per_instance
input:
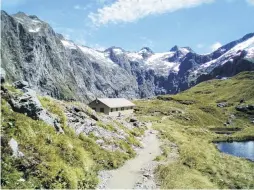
[(54, 66), (29, 104)]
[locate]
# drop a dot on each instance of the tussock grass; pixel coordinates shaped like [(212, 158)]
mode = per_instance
[(186, 119)]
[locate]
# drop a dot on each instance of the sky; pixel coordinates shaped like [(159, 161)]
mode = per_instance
[(203, 25)]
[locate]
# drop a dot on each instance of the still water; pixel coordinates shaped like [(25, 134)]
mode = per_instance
[(240, 149)]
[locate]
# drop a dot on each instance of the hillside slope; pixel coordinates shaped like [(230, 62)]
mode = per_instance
[(67, 153), (212, 111)]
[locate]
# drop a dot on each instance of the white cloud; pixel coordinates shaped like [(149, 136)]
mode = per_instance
[(132, 10), (215, 46), (251, 2)]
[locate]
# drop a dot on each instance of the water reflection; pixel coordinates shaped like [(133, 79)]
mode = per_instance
[(241, 149)]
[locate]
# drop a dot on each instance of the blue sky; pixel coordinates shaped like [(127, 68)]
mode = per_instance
[(202, 25)]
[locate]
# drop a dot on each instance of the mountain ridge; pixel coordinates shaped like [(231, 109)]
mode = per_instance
[(33, 51)]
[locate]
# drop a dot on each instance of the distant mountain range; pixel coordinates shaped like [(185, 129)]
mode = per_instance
[(58, 67)]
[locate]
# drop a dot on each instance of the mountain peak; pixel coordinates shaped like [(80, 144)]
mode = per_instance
[(20, 14), (146, 50), (115, 50), (174, 48)]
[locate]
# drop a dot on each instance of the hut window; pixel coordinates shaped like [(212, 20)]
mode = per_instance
[(122, 108), (102, 110), (116, 109), (111, 109)]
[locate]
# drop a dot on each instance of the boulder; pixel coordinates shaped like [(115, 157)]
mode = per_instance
[(29, 104), (245, 108), (15, 149), (222, 104), (20, 84)]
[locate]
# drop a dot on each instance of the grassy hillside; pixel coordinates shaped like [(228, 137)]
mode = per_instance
[(52, 160), (190, 119)]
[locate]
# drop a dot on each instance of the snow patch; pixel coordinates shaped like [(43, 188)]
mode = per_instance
[(118, 51), (34, 30), (250, 53), (99, 57), (247, 45), (68, 44), (160, 64), (134, 56), (184, 50)]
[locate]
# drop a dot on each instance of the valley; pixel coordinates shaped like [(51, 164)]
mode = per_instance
[(183, 156)]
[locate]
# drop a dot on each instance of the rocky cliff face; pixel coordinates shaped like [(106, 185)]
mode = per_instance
[(54, 66)]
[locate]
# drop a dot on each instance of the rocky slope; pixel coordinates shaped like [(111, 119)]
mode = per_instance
[(55, 66)]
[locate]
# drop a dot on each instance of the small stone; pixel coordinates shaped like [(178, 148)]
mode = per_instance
[(242, 101), (133, 120), (76, 109), (232, 116), (222, 104)]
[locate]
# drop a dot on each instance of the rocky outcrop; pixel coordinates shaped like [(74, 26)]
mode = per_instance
[(249, 109), (105, 129), (28, 103)]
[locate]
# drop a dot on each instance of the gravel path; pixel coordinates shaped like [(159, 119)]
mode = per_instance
[(137, 173)]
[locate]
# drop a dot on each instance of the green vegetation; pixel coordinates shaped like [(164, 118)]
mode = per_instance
[(12, 89), (188, 118), (54, 107), (53, 160)]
